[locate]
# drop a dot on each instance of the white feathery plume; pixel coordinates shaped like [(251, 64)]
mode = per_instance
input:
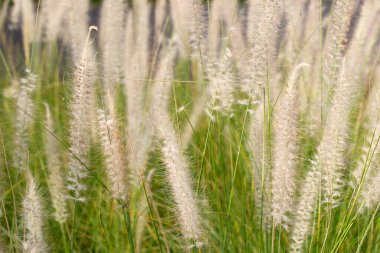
[(368, 164), (311, 105), (333, 145), (221, 87), (56, 180), (257, 139), (33, 218), (80, 119), (219, 70), (111, 39), (77, 20), (180, 181), (336, 40), (305, 209), (285, 151), (190, 21), (135, 100), (369, 154), (139, 131), (362, 39), (328, 165), (370, 195), (113, 150), (23, 120), (178, 173), (134, 93), (51, 19), (253, 17), (262, 47), (199, 40)]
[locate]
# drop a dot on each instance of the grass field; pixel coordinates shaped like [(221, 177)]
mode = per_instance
[(189, 126)]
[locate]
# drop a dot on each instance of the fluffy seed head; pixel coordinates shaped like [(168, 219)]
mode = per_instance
[(51, 18), (23, 119), (77, 21), (191, 21), (111, 39), (370, 194), (261, 173), (139, 130), (333, 146), (33, 218), (176, 164), (285, 152), (337, 39), (113, 152), (80, 107), (56, 180), (262, 47), (305, 210), (221, 87)]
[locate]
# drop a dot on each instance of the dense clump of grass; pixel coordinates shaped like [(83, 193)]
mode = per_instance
[(189, 126)]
